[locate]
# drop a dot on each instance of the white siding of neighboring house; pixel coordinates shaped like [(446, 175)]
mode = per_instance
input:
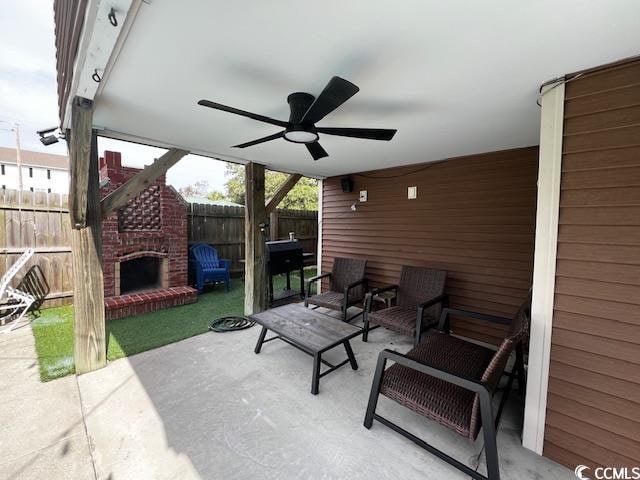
[(39, 181)]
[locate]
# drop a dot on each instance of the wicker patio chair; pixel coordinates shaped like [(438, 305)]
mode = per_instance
[(347, 287), (419, 301), (452, 381)]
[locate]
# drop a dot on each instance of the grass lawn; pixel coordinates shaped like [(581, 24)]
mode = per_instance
[(53, 328)]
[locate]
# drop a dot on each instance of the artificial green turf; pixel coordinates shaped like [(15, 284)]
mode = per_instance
[(53, 331), (53, 327)]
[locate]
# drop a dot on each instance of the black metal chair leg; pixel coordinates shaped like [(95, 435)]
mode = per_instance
[(352, 357), (505, 397), (375, 392), (263, 334), (489, 434), (315, 379), (522, 381), (417, 336), (365, 328), (270, 289), (302, 295)]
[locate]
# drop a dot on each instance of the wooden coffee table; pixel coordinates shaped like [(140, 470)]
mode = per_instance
[(312, 332)]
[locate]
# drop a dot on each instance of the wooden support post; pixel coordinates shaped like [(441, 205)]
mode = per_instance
[(120, 196), (86, 255), (79, 160), (288, 184), (255, 285), (273, 225)]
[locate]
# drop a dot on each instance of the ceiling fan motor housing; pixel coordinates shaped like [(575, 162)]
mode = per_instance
[(299, 103), (296, 132)]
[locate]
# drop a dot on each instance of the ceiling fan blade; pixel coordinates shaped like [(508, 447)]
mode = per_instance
[(369, 133), (337, 91), (260, 140), (316, 150), (253, 116)]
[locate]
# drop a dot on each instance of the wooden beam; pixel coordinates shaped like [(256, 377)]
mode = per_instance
[(86, 258), (288, 184), (79, 159), (125, 192), (255, 285)]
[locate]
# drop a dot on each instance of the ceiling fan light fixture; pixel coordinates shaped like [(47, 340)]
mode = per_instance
[(301, 136), (305, 111)]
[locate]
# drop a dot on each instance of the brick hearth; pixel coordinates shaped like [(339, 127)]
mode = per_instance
[(149, 301), (153, 224)]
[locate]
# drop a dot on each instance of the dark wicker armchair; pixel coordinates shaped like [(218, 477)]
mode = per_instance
[(419, 301), (346, 288), (452, 381)]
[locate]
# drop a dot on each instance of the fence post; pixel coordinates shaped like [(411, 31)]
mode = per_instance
[(273, 225)]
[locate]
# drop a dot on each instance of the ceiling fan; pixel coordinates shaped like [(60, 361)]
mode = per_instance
[(306, 110)]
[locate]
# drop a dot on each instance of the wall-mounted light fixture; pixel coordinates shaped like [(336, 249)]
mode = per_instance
[(48, 137)]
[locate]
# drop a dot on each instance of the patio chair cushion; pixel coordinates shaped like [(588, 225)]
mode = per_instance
[(399, 319), (332, 300), (443, 402)]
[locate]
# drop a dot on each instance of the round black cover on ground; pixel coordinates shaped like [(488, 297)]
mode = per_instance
[(230, 324)]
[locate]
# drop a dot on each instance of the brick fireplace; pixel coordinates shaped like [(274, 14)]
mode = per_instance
[(144, 246)]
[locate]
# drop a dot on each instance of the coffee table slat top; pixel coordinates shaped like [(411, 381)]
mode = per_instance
[(306, 327)]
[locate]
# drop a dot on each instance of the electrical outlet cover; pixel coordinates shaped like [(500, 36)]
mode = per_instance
[(412, 193), (363, 195)]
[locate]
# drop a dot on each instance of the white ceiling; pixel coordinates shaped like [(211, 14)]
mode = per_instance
[(454, 77)]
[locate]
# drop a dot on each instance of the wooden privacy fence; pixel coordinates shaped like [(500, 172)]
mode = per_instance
[(41, 221), (223, 227)]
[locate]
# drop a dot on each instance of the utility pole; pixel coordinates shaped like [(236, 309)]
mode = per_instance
[(16, 128)]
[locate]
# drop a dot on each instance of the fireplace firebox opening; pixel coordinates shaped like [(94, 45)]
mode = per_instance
[(143, 273)]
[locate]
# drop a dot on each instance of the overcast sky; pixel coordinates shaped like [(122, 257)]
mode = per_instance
[(28, 94)]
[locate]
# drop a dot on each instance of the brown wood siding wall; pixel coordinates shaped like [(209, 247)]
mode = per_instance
[(68, 16), (474, 217), (593, 408)]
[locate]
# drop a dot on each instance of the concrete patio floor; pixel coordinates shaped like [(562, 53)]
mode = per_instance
[(209, 408), (42, 430)]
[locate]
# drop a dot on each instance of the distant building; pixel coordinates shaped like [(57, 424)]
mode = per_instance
[(41, 172), (206, 201)]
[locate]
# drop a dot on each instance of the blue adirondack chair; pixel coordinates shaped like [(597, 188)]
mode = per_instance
[(208, 267)]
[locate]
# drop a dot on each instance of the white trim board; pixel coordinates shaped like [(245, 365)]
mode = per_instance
[(544, 268), (97, 45), (319, 249)]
